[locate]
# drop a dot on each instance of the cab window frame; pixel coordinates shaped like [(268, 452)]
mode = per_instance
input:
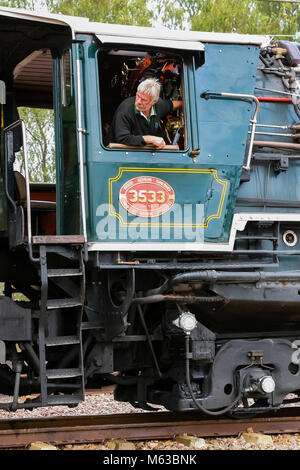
[(104, 51)]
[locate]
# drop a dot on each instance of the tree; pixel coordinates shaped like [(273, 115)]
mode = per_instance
[(242, 16), (28, 4), (130, 12), (40, 143)]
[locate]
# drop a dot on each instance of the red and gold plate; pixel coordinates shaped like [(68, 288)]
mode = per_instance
[(146, 196)]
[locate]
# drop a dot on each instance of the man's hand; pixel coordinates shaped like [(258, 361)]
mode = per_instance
[(158, 142)]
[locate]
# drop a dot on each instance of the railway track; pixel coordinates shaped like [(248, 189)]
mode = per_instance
[(138, 426)]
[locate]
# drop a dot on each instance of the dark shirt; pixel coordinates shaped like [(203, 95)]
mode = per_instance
[(129, 126)]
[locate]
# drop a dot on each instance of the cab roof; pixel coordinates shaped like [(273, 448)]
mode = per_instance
[(122, 33)]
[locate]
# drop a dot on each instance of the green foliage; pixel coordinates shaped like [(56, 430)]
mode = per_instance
[(132, 12), (30, 4), (40, 144), (242, 16)]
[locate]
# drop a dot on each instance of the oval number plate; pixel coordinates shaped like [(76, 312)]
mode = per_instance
[(146, 196)]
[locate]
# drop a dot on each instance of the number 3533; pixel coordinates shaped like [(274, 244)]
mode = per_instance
[(147, 196)]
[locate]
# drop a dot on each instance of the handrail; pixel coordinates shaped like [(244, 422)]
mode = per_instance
[(81, 132), (253, 121), (9, 198), (12, 126)]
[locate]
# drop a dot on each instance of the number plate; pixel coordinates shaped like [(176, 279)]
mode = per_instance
[(146, 196)]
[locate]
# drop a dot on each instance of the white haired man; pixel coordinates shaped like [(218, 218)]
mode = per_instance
[(137, 120)]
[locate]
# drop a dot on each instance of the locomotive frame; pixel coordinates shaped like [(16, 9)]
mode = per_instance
[(171, 273)]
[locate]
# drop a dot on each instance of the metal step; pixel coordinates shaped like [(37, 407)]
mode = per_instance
[(63, 373), (91, 325), (64, 303), (58, 239), (62, 340), (63, 272), (64, 399)]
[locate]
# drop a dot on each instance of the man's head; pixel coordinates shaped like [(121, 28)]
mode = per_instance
[(147, 95)]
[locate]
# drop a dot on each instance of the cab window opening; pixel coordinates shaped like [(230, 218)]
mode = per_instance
[(40, 140), (121, 72), (30, 99)]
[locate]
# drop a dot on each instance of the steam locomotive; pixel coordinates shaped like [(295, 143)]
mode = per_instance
[(172, 274)]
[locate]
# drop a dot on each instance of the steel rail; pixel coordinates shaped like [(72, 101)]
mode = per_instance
[(139, 426)]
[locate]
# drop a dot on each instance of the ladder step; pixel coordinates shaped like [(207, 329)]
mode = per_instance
[(63, 303), (54, 239), (63, 272), (63, 373), (63, 399), (62, 340), (90, 325)]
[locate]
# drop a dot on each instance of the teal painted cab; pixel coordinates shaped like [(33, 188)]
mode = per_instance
[(169, 196)]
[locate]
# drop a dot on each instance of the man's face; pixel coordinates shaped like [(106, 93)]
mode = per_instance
[(143, 102)]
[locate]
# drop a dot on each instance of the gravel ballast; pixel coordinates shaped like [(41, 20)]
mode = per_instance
[(104, 403)]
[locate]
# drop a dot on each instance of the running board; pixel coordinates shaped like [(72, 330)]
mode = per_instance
[(54, 239)]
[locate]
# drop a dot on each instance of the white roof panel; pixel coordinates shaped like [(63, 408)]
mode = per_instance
[(187, 39), (140, 41)]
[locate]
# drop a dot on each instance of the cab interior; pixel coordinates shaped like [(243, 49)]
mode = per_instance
[(121, 71)]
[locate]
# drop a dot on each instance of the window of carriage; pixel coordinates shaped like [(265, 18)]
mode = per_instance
[(121, 71)]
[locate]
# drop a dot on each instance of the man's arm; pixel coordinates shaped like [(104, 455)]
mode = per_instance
[(123, 134), (158, 142), (123, 130)]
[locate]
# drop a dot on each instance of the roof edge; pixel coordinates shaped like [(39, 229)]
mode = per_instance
[(79, 24)]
